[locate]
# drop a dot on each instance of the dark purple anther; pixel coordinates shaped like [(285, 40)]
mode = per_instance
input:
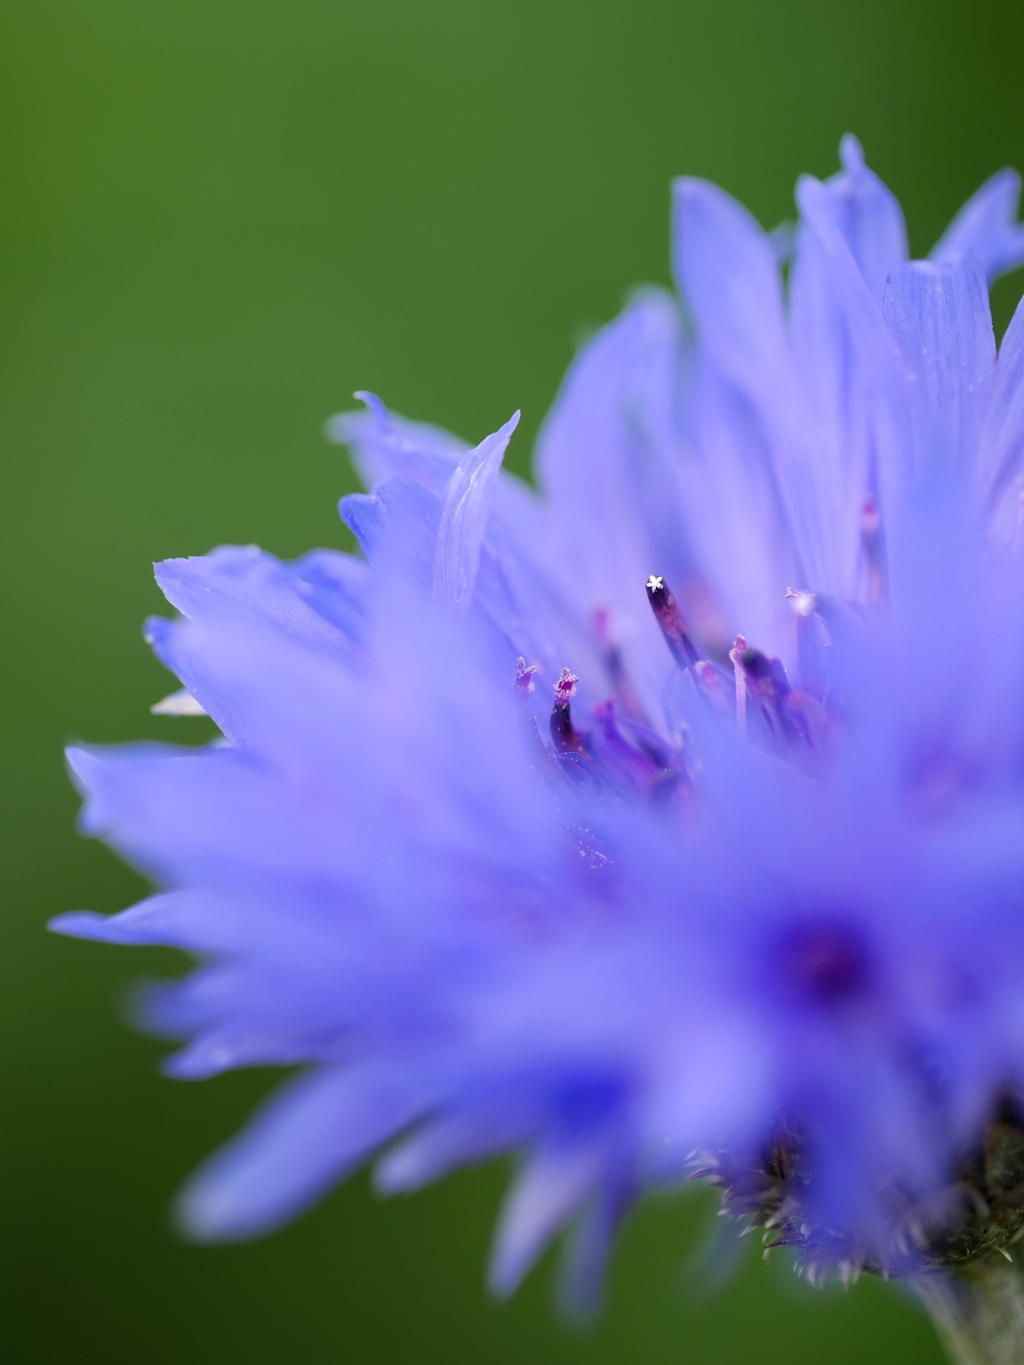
[(672, 622), (564, 735), (760, 675), (766, 682)]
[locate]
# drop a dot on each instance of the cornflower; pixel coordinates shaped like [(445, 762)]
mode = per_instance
[(664, 822)]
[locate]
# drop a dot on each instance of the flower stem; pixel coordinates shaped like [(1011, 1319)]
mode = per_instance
[(978, 1312)]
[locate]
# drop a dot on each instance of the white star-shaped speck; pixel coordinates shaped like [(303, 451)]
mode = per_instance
[(655, 583)]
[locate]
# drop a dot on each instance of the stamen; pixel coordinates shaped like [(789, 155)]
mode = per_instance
[(524, 677), (812, 639), (710, 682), (804, 603), (539, 754), (793, 718), (760, 674), (565, 687), (623, 688), (672, 622), (624, 761), (874, 550), (736, 655), (768, 684), (563, 733)]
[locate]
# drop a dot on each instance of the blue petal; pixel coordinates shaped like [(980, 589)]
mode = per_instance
[(729, 280), (156, 920), (987, 225), (384, 444), (503, 1118), (195, 920), (186, 815), (869, 215), (605, 458), (399, 517), (1002, 445), (334, 585), (318, 599), (854, 394), (344, 745), (555, 1182), (590, 1242), (939, 314), (464, 514), (733, 514), (305, 1140), (516, 580)]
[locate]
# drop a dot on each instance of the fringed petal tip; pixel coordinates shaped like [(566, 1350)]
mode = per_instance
[(206, 1211), (342, 427), (464, 514), (400, 1172), (84, 765), (157, 632), (987, 225), (552, 1187), (84, 924), (180, 703), (851, 154)]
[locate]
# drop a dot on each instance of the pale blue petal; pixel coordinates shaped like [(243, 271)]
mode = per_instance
[(987, 225), (606, 456), (474, 1132), (735, 520), (1002, 445), (549, 1191), (383, 445), (939, 314), (869, 215), (176, 919), (464, 513), (397, 523), (590, 1241), (728, 277), (318, 599), (852, 436), (305, 1140)]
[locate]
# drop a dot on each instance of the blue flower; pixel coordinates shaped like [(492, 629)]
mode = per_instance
[(669, 818)]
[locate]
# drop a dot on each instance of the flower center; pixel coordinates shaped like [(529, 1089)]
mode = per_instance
[(823, 963)]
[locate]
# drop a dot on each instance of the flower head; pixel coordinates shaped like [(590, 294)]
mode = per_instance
[(667, 820)]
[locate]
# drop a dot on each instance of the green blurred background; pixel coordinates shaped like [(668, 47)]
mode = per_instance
[(217, 219)]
